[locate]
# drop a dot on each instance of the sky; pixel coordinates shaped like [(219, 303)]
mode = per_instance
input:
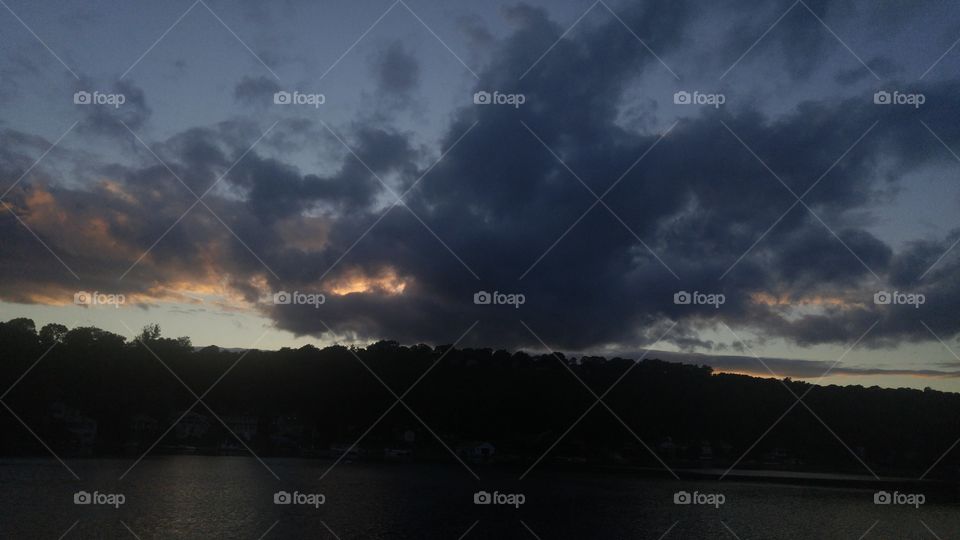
[(765, 187)]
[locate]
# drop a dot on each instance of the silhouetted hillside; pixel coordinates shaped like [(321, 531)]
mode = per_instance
[(94, 393)]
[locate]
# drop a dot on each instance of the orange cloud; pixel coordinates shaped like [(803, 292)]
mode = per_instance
[(355, 281)]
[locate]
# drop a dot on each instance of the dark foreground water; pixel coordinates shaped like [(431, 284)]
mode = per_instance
[(233, 497)]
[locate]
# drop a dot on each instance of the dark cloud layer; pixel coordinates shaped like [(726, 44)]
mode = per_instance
[(501, 212)]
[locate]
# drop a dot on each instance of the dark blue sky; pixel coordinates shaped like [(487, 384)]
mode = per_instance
[(798, 159)]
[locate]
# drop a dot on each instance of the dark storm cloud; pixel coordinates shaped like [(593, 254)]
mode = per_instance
[(105, 119), (397, 70), (500, 213), (256, 91), (477, 33)]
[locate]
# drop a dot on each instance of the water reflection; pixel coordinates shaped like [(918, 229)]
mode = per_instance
[(233, 497)]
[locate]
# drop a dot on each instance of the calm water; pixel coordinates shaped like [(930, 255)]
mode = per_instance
[(232, 497)]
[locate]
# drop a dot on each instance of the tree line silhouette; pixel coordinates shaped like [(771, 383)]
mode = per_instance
[(94, 393)]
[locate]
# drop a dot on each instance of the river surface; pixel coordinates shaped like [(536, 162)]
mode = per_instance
[(233, 497)]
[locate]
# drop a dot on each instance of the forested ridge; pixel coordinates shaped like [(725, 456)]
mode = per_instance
[(95, 393)]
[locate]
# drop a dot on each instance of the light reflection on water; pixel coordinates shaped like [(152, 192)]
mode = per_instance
[(232, 497)]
